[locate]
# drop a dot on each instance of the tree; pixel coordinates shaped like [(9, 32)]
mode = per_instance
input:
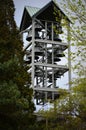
[(16, 106), (70, 110), (77, 11)]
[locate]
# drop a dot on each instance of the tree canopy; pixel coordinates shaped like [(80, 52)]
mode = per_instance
[(16, 106)]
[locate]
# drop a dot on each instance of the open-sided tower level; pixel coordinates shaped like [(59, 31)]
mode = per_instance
[(45, 49)]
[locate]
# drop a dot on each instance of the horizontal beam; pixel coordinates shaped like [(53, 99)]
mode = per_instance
[(51, 65), (46, 89), (50, 42), (47, 42)]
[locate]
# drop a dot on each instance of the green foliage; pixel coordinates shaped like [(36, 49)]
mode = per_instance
[(77, 10), (69, 111), (16, 106)]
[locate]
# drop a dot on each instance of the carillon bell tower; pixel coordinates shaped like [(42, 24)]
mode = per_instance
[(45, 49)]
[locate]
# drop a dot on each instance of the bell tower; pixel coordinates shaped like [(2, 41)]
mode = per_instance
[(45, 49)]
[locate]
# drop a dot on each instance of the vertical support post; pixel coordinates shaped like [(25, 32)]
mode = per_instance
[(52, 45), (52, 61), (46, 61), (52, 31), (69, 56), (46, 54), (33, 37)]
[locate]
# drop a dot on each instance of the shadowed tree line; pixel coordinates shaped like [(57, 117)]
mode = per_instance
[(16, 106)]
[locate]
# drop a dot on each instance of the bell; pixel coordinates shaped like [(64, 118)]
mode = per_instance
[(56, 59), (27, 62), (38, 51), (60, 47), (59, 53), (50, 81), (29, 57), (50, 78), (56, 37), (58, 73), (37, 30), (57, 29), (29, 35), (38, 73)]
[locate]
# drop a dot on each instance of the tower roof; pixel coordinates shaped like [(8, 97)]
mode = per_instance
[(45, 13)]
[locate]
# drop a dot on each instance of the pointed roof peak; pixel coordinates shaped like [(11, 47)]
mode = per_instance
[(44, 13)]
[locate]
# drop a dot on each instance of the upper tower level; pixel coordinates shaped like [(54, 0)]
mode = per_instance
[(50, 12)]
